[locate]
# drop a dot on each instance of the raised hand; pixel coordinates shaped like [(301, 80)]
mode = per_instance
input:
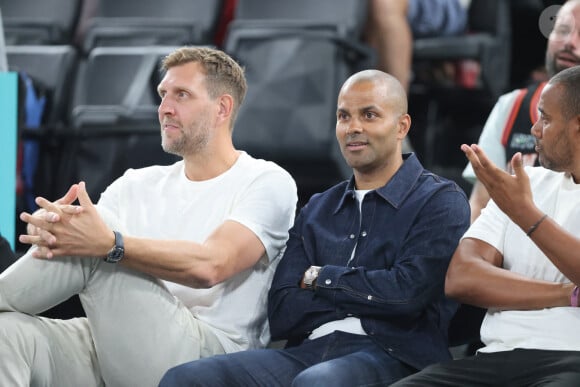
[(512, 193)]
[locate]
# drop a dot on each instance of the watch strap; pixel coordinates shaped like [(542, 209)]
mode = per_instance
[(118, 250)]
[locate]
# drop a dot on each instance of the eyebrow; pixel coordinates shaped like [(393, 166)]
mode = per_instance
[(543, 112), (363, 109)]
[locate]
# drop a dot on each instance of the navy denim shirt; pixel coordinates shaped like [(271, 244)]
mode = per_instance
[(404, 240)]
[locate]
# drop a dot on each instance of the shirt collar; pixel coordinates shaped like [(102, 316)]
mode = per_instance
[(396, 189)]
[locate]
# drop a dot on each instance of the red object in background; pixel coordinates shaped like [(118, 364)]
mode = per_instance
[(226, 17), (467, 73)]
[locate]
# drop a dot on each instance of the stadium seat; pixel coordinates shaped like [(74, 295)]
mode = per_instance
[(296, 56), (152, 22), (487, 41), (36, 22), (482, 72), (50, 69), (113, 116)]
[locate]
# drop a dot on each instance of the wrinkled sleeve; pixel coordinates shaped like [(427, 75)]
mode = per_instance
[(294, 312), (403, 290)]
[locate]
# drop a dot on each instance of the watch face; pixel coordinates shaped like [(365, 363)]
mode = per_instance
[(118, 251), (116, 254)]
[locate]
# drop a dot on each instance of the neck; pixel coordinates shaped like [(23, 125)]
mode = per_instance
[(207, 165), (368, 180)]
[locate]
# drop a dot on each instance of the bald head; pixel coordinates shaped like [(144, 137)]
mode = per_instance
[(387, 85)]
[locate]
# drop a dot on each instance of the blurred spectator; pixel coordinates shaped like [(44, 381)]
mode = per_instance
[(88, 10), (226, 16), (393, 24), (507, 129), (528, 42)]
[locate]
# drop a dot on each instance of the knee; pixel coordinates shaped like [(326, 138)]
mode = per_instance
[(21, 340), (322, 375), (13, 325), (565, 379), (175, 377), (195, 373)]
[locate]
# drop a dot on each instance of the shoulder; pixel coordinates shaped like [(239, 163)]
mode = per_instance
[(253, 165), (440, 191), (151, 173), (507, 100), (540, 176), (434, 183), (328, 200), (259, 167)]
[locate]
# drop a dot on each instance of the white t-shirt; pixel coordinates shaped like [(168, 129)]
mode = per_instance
[(159, 202), (557, 195), (490, 138)]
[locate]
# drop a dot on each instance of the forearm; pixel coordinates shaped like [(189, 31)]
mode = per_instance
[(183, 262), (481, 281), (559, 246), (295, 312), (404, 290)]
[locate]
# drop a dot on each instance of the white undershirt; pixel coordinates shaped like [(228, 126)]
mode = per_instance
[(348, 324)]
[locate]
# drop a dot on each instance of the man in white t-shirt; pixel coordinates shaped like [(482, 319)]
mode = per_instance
[(172, 264), (519, 259), (506, 130)]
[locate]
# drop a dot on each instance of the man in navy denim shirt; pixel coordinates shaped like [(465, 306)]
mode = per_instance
[(359, 291)]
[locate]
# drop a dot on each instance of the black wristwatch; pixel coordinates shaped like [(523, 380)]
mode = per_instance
[(118, 251)]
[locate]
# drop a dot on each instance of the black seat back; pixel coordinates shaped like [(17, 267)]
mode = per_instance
[(152, 22), (39, 22), (114, 122), (296, 56)]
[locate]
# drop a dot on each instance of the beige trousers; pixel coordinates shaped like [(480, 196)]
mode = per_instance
[(135, 329)]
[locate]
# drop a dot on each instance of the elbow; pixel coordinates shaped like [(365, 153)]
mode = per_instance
[(455, 282), (206, 277), (451, 287)]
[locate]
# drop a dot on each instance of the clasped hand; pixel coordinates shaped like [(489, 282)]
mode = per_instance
[(61, 228)]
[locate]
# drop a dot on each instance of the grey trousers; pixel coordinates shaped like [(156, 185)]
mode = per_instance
[(134, 331)]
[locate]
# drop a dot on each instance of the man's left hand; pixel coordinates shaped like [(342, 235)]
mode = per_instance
[(68, 231)]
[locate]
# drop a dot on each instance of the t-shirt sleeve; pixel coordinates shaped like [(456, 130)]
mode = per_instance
[(268, 207), (490, 226)]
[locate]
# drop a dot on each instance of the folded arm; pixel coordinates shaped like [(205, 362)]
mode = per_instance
[(67, 231), (475, 275)]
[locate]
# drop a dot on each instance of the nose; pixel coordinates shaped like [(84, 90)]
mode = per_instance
[(572, 40), (536, 129), (165, 107), (353, 127)]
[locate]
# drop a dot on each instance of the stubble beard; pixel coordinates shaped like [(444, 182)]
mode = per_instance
[(185, 145)]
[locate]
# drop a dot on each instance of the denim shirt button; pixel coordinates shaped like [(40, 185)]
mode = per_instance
[(369, 297), (328, 281), (390, 349), (363, 234), (351, 236)]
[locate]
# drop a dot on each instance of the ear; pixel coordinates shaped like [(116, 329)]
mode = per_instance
[(404, 125), (225, 106)]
